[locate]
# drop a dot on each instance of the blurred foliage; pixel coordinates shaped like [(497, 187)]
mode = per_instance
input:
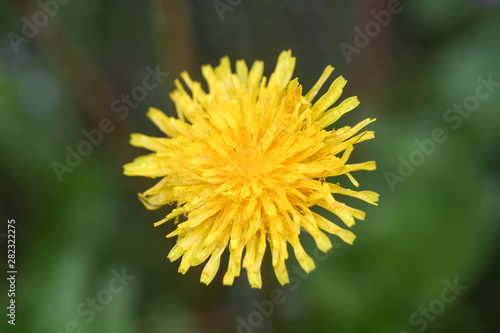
[(441, 223)]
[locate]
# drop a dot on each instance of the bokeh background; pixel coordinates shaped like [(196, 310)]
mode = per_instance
[(75, 233)]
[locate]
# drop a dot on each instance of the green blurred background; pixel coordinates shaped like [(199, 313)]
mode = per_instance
[(73, 236)]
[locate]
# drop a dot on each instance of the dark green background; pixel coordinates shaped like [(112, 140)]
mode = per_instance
[(440, 224)]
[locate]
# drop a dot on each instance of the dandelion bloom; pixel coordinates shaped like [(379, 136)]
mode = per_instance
[(245, 162)]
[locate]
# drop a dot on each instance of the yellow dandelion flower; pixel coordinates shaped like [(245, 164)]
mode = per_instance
[(245, 162)]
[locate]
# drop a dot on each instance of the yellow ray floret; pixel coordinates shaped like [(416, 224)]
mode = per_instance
[(245, 162)]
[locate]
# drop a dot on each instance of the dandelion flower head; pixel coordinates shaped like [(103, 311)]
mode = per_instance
[(245, 162)]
